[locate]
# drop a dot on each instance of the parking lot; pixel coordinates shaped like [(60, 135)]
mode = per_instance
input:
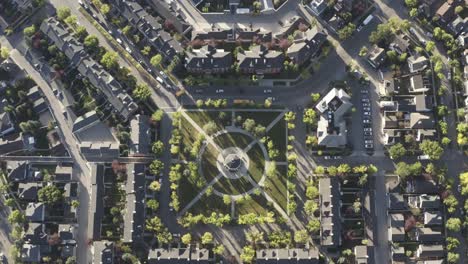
[(361, 132)]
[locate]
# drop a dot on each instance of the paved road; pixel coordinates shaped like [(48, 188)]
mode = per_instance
[(80, 169)]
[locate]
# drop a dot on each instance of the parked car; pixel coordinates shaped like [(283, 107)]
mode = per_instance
[(365, 100), (119, 41), (327, 157), (337, 157), (366, 104), (366, 108), (424, 157), (367, 121), (368, 129), (163, 74), (367, 133), (128, 49), (159, 80), (267, 91), (199, 91), (219, 91), (364, 91), (368, 141), (367, 113), (369, 146)]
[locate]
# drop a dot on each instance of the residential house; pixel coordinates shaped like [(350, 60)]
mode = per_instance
[(179, 255), (396, 229), (103, 252), (28, 191), (122, 102), (173, 17), (433, 218), (208, 60), (35, 234), (260, 60), (234, 34), (330, 217), (134, 216), (418, 84), (446, 11), (6, 123), (428, 235), (463, 39), (343, 6), (140, 135), (306, 44), (361, 254), (33, 253), (376, 56), (458, 25), (387, 87), (429, 7), (400, 44), (287, 255), (96, 202), (430, 251), (397, 202), (35, 212), (151, 29), (417, 63), (421, 185), (397, 124), (425, 201), (318, 6), (331, 128), (398, 254)]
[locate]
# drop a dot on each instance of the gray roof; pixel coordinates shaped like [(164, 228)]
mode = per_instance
[(134, 216), (103, 252), (430, 251), (376, 56), (208, 58), (140, 135), (397, 202), (306, 45), (361, 254), (100, 78), (96, 202), (424, 234), (330, 233), (259, 59), (28, 191), (291, 255), (35, 212), (417, 63), (35, 234), (179, 255), (433, 218), (169, 11)]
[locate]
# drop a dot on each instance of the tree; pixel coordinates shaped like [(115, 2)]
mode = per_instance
[(219, 250), (187, 239), (207, 238), (157, 116), (268, 102), (402, 170), (72, 21), (105, 8), (227, 199), (453, 257), (430, 46), (451, 202), (347, 31), (81, 33), (30, 126), (397, 151), (155, 186), (432, 149), (152, 204), (313, 226), (458, 9), (249, 124), (453, 224), (16, 217), (75, 204), (301, 237), (157, 147), (363, 51), (156, 166), (154, 225), (413, 12), (91, 42), (247, 255), (411, 3), (452, 243), (4, 53), (110, 60), (254, 237), (71, 260), (310, 206), (156, 60), (29, 31), (142, 92), (312, 192), (50, 194), (464, 183), (344, 169), (63, 13)]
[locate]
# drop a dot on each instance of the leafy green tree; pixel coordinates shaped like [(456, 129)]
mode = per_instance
[(157, 116), (110, 60), (247, 255), (397, 151), (207, 238), (347, 31), (50, 194), (315, 97), (254, 237), (458, 9), (344, 169), (105, 8), (227, 199), (411, 3), (29, 31), (403, 170), (313, 226), (301, 237), (453, 224), (312, 192), (155, 186), (91, 42), (72, 21), (156, 60), (310, 206), (432, 149), (142, 92), (16, 217), (63, 13), (154, 225), (219, 250), (152, 204), (156, 166), (452, 243), (187, 239), (157, 148), (453, 257), (363, 52), (81, 33), (4, 53)]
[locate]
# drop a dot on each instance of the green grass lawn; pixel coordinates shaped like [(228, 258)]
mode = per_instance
[(233, 140), (203, 117), (208, 163), (187, 191), (258, 205), (278, 134), (276, 187), (233, 187), (257, 163), (206, 205), (262, 118)]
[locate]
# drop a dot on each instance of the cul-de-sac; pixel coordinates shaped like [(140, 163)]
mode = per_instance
[(233, 131)]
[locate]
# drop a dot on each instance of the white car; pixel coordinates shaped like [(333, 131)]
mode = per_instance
[(128, 50), (366, 121), (368, 129), (219, 91), (163, 74), (119, 41), (267, 91), (327, 157), (367, 113), (369, 146), (365, 100), (366, 108), (368, 141), (364, 91), (366, 104), (367, 133)]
